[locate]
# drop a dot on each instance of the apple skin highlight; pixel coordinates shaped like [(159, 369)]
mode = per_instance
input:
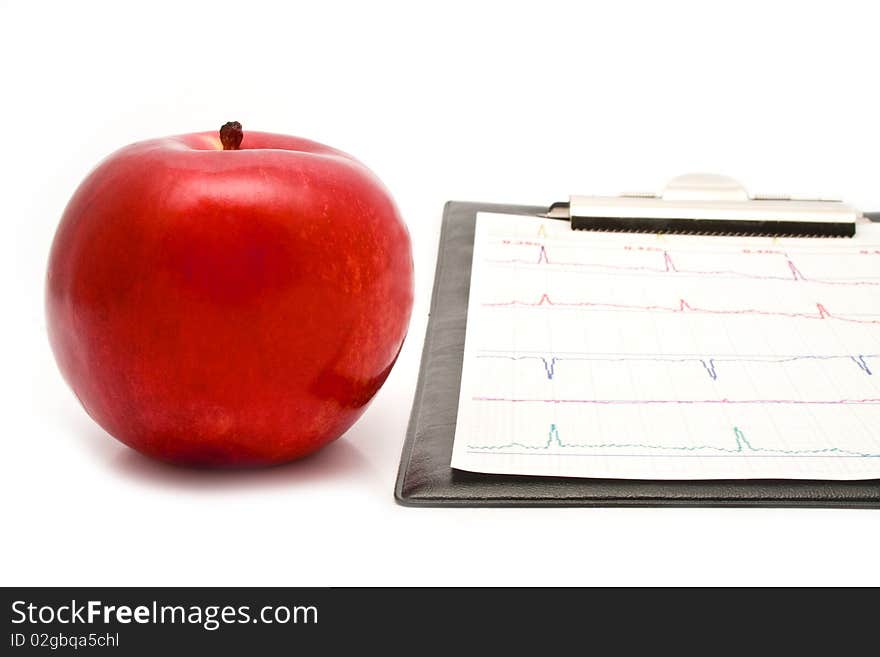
[(228, 308)]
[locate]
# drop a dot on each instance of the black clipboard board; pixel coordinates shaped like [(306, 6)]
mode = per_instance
[(425, 477)]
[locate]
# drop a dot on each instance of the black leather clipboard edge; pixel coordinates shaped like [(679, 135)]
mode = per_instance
[(425, 478)]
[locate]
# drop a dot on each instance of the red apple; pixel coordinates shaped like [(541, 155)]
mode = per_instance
[(222, 301)]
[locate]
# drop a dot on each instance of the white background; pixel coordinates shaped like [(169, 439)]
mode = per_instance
[(476, 101)]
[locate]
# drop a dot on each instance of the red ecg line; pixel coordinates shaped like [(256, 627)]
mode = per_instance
[(669, 267), (683, 307)]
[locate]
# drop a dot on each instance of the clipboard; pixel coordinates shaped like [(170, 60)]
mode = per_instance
[(425, 477)]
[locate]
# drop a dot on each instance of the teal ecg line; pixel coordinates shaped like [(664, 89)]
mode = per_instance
[(741, 447)]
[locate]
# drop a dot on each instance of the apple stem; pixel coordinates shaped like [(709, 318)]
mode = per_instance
[(231, 135)]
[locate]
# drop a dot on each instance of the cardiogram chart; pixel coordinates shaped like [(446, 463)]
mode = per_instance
[(674, 357)]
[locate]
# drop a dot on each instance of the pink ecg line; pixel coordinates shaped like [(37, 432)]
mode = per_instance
[(608, 402), (683, 307), (669, 267)]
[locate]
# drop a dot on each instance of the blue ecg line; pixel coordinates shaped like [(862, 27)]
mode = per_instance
[(742, 447), (860, 361), (709, 364), (710, 368)]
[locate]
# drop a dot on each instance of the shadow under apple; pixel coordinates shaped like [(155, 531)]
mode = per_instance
[(338, 460)]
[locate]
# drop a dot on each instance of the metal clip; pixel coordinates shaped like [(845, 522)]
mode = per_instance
[(709, 204)]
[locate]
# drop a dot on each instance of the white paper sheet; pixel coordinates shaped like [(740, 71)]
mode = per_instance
[(670, 357)]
